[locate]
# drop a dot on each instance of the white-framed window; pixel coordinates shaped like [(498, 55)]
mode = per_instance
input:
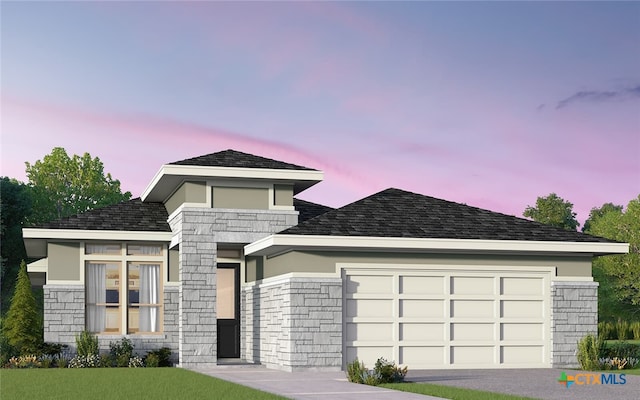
[(124, 288)]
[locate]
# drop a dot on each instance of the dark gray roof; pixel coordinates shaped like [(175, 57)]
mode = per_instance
[(308, 209), (233, 158), (132, 215), (397, 213)]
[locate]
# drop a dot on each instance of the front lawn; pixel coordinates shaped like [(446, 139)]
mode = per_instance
[(449, 392), (119, 383)]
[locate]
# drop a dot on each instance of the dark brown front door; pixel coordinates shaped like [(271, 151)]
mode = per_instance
[(228, 310)]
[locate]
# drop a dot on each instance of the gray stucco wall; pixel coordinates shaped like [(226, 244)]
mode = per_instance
[(64, 261), (188, 192), (294, 323), (574, 314), (241, 198), (325, 262)]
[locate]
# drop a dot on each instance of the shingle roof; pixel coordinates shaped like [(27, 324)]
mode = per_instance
[(132, 215), (397, 213), (308, 209), (234, 158)]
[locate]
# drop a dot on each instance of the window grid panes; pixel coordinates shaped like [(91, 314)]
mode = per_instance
[(126, 295)]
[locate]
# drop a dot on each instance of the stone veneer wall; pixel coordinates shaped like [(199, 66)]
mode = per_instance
[(64, 318), (63, 313), (574, 315), (294, 323), (198, 230)]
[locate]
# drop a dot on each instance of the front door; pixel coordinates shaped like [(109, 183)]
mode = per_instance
[(228, 310)]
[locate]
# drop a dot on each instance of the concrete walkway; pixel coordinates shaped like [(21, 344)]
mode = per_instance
[(306, 385)]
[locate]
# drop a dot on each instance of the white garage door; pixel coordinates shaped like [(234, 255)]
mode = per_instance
[(447, 318)]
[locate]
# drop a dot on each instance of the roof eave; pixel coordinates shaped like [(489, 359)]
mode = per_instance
[(277, 244), (169, 176), (35, 239)]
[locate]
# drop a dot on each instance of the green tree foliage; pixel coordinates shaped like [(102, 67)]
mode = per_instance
[(22, 326), (553, 210), (597, 213), (619, 275), (15, 206), (63, 185)]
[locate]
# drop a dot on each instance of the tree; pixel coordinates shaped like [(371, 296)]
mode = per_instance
[(22, 326), (597, 213), (63, 186), (15, 206), (619, 275), (553, 210)]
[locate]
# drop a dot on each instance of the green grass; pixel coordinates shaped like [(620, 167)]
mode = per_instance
[(119, 383), (449, 392), (635, 371)]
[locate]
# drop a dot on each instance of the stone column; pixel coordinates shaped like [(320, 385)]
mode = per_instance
[(574, 315)]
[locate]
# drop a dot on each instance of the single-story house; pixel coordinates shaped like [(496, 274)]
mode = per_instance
[(218, 260)]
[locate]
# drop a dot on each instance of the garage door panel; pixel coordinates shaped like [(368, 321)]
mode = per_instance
[(369, 308), (465, 355), (523, 309), (423, 285), (373, 284), (515, 331), (369, 331), (522, 354), (421, 308), (369, 354), (422, 355), (422, 332), (464, 285), (447, 317), (472, 308), (533, 286), (462, 332)]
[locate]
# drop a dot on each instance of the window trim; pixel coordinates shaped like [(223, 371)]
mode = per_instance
[(124, 259)]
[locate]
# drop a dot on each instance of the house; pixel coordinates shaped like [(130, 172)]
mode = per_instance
[(218, 260)]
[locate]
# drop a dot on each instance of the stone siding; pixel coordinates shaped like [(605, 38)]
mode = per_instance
[(64, 310), (294, 323), (64, 318), (198, 231), (574, 315)]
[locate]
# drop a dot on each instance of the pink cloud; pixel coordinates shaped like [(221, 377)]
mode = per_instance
[(133, 147)]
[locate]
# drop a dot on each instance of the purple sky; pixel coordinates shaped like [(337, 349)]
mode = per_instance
[(490, 104)]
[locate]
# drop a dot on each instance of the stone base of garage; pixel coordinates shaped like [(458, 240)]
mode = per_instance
[(574, 314), (292, 324)]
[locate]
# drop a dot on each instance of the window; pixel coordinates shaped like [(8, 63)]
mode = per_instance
[(124, 295)]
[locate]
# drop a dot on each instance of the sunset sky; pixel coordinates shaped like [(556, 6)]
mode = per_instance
[(486, 103)]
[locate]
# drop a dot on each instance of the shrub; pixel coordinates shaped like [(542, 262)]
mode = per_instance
[(136, 362), (52, 349), (47, 360), (621, 350), (106, 361), (121, 352), (605, 330), (22, 326), (383, 372), (622, 329), (161, 356), (7, 351), (28, 361), (89, 361), (356, 371), (388, 372), (589, 350), (87, 344), (62, 362), (635, 329)]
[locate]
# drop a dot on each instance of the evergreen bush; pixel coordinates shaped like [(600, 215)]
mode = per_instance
[(22, 326)]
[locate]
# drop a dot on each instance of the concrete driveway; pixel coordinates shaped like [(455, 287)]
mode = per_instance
[(535, 383)]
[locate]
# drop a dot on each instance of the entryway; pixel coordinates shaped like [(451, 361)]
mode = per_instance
[(228, 309)]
